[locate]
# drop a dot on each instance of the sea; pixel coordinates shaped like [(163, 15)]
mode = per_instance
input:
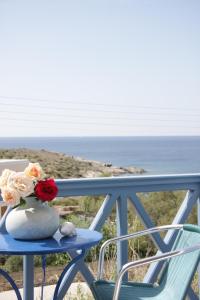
[(157, 155)]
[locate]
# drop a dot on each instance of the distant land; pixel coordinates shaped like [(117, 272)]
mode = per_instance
[(156, 155), (60, 165)]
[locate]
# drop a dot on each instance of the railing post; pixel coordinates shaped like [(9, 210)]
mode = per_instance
[(122, 228)]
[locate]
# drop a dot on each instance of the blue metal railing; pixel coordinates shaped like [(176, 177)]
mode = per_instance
[(120, 190)]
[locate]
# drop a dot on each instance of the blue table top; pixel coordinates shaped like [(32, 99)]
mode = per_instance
[(84, 239)]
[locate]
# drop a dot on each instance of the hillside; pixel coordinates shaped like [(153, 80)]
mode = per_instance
[(60, 165)]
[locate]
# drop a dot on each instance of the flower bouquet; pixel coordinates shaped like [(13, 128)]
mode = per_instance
[(28, 193)]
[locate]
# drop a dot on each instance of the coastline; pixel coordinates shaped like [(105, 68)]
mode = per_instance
[(60, 165)]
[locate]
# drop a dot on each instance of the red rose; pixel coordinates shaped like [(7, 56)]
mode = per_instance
[(46, 190)]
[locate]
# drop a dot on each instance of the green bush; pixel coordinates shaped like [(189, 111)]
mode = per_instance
[(14, 264)]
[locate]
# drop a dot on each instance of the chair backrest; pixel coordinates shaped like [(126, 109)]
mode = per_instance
[(179, 271)]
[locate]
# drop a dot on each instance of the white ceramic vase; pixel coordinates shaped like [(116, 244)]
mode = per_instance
[(35, 220)]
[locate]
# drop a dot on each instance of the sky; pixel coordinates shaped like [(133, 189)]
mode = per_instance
[(99, 68)]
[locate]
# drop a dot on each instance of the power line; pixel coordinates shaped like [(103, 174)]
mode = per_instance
[(98, 117), (120, 131), (94, 123), (96, 104), (91, 110)]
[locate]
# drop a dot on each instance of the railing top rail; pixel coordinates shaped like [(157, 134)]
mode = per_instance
[(139, 183)]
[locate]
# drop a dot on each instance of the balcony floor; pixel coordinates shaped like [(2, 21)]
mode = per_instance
[(76, 291)]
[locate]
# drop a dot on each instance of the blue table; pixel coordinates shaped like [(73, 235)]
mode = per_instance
[(84, 240)]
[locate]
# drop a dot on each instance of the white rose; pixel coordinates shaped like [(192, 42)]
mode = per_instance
[(10, 196), (4, 177), (34, 171), (21, 183)]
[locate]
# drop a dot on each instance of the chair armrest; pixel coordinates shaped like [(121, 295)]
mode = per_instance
[(145, 261), (127, 237)]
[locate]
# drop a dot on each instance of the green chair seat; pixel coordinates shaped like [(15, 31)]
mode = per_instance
[(103, 290)]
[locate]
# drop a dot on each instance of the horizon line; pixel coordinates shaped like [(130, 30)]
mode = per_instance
[(99, 136)]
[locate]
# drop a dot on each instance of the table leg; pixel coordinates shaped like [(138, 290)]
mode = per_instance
[(12, 283), (28, 277), (58, 294)]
